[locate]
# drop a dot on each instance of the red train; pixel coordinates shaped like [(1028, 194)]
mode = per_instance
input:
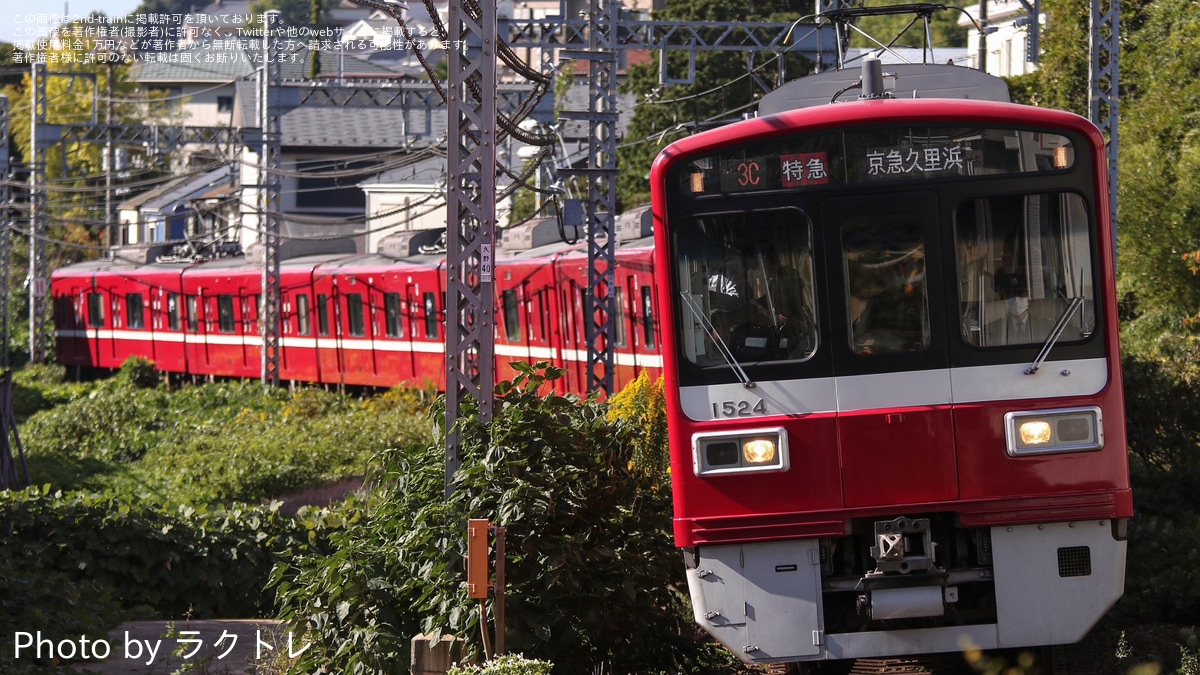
[(893, 385), (371, 320)]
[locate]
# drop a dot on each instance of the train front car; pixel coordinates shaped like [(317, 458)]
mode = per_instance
[(893, 379)]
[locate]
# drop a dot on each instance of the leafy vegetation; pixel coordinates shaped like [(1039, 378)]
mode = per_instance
[(586, 538), (246, 441)]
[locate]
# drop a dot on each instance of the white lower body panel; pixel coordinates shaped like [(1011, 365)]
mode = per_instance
[(1053, 582)]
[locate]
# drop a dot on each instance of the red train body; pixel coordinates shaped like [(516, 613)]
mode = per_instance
[(354, 320), (893, 385)]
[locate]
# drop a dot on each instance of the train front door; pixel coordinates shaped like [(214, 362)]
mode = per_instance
[(891, 365)]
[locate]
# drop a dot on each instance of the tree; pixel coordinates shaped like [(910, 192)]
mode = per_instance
[(943, 26), (1159, 219)]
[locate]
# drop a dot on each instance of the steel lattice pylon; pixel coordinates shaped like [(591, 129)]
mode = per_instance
[(601, 177), (1104, 75), (5, 230), (269, 189), (471, 217)]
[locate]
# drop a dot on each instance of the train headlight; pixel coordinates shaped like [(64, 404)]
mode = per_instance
[(748, 451), (758, 451), (1039, 432)]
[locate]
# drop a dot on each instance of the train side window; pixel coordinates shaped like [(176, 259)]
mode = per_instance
[(392, 325), (354, 314), (322, 314), (172, 311), (1020, 262), (135, 311), (512, 316), (621, 338), (95, 303), (303, 320), (431, 316), (648, 316), (193, 314), (225, 322)]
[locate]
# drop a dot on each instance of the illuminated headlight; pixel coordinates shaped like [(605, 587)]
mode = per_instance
[(740, 452), (1041, 432)]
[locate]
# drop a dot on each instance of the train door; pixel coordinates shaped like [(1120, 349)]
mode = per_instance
[(889, 349)]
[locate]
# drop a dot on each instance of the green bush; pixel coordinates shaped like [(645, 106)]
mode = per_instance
[(588, 546), (507, 664), (209, 563), (214, 442)]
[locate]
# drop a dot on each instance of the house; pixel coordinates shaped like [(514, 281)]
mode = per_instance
[(1007, 38)]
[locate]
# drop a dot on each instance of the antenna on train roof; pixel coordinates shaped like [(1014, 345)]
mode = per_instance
[(871, 82)]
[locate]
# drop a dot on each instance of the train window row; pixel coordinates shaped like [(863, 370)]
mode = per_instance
[(525, 315)]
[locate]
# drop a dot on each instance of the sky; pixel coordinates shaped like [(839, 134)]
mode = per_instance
[(20, 18)]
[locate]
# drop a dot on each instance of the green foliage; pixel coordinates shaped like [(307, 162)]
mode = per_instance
[(588, 545), (139, 373), (943, 25), (225, 441), (111, 551), (506, 664)]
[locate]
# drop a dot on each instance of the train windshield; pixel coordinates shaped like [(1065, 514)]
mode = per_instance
[(746, 283), (1021, 261)]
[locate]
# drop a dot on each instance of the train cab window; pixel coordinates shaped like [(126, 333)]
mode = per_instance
[(392, 325), (512, 315), (746, 285), (887, 302), (193, 314), (431, 316), (1023, 263), (354, 314), (173, 311), (322, 314), (303, 320), (95, 303), (225, 321), (647, 316)]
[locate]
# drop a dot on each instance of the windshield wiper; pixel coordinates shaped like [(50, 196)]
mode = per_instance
[(1059, 327), (722, 349)]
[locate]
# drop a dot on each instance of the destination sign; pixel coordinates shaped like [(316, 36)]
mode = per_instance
[(875, 155)]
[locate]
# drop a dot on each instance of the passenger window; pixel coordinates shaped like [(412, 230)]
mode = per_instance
[(354, 314), (431, 316), (393, 327), (512, 316), (193, 314), (323, 314), (172, 311), (95, 310), (225, 323), (303, 321), (135, 311), (647, 316)]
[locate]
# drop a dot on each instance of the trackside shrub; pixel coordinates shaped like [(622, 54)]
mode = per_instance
[(643, 404), (507, 664), (588, 547), (206, 562)]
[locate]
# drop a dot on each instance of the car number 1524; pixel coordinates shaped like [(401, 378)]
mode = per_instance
[(739, 408)]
